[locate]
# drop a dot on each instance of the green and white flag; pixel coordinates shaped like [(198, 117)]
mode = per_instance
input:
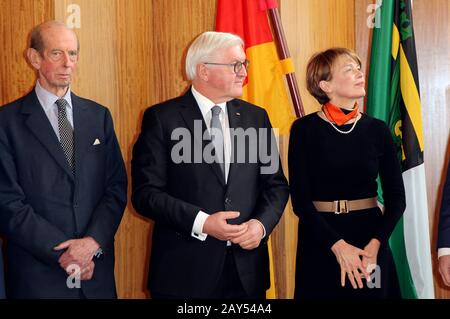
[(394, 97)]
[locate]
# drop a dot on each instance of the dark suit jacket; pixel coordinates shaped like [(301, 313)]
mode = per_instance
[(42, 204), (444, 218), (172, 194), (2, 277)]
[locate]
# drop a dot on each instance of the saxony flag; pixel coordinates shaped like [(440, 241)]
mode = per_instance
[(394, 98)]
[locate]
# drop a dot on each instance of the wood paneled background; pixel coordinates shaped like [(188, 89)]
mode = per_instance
[(432, 31), (132, 55), (16, 20)]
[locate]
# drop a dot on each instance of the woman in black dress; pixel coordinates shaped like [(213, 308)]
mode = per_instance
[(335, 156)]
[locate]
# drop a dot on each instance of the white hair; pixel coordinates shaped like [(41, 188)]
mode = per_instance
[(205, 45)]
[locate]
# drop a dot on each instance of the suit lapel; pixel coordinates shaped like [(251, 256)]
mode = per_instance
[(39, 124), (81, 128), (190, 111), (234, 118)]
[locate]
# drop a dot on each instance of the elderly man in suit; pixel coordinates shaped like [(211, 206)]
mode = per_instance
[(443, 243), (199, 172), (62, 180)]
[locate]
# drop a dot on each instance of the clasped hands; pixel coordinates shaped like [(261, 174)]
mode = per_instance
[(78, 252), (248, 235), (356, 263)]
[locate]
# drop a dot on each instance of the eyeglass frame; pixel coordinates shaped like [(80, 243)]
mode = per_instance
[(245, 64)]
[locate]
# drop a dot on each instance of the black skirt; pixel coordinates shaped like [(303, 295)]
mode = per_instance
[(318, 274)]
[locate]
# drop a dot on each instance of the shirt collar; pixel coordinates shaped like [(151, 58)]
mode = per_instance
[(206, 104), (48, 99)]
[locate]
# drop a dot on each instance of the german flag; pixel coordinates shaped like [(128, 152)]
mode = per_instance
[(265, 85), (394, 97)]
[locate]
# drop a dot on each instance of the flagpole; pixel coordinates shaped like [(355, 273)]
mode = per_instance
[(283, 53)]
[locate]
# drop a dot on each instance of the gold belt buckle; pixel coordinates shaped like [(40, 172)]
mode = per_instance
[(341, 206)]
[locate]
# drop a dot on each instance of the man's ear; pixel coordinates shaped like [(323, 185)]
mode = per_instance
[(325, 86), (202, 72), (34, 57)]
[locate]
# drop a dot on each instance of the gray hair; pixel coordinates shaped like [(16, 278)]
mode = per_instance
[(204, 47), (36, 40)]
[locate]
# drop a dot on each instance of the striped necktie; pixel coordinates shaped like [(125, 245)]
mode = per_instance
[(66, 133), (217, 136)]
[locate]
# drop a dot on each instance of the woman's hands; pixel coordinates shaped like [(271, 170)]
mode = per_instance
[(349, 258), (370, 261)]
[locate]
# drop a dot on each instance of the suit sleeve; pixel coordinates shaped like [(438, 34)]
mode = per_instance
[(393, 188), (108, 213), (274, 191), (149, 167), (18, 221), (444, 217), (299, 171)]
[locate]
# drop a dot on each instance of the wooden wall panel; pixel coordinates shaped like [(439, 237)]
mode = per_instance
[(310, 26), (172, 34), (363, 36), (96, 71), (135, 77), (432, 32), (17, 19)]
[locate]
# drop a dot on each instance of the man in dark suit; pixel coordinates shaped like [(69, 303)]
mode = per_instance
[(199, 172), (62, 180), (444, 232)]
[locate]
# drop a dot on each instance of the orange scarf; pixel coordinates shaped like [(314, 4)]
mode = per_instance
[(334, 113)]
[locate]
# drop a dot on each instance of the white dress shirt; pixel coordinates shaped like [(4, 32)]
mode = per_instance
[(205, 106), (47, 101), (443, 251)]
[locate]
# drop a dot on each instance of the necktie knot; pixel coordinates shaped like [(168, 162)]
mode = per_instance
[(61, 103), (216, 110)]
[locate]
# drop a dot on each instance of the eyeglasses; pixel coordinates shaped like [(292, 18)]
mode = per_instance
[(237, 66), (58, 55)]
